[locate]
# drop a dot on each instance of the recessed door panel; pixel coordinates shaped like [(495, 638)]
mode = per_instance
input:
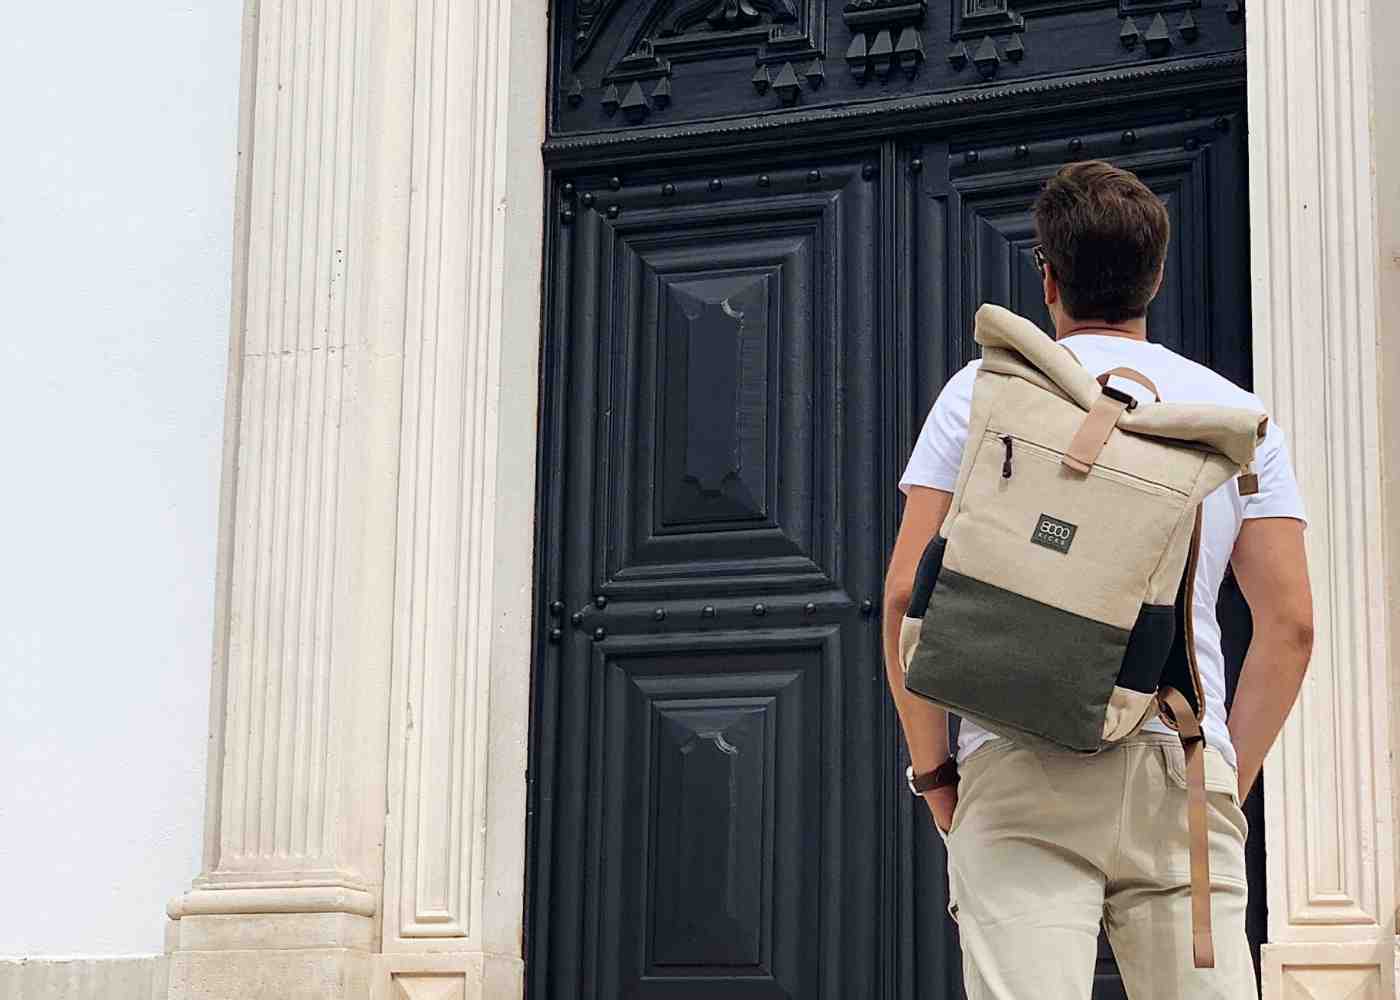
[(974, 230), (712, 749)]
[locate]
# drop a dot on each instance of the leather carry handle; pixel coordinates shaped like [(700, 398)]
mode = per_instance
[(1131, 376), (1127, 373)]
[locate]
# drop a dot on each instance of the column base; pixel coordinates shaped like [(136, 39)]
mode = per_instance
[(464, 976), (1355, 970), (271, 943), (261, 974)]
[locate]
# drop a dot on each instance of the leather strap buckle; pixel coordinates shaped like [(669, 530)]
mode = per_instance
[(1118, 395)]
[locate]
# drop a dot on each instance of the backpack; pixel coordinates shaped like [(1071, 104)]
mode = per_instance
[(1053, 606)]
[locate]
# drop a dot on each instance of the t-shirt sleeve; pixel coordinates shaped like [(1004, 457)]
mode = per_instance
[(1278, 494), (938, 450)]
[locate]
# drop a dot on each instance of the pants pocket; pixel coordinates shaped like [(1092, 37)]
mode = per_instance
[(1227, 805), (1222, 792), (1221, 778), (973, 775)]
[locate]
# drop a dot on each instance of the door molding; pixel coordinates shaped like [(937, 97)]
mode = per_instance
[(1100, 88)]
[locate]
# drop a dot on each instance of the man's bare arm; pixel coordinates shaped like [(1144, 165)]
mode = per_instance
[(1271, 566), (925, 725)]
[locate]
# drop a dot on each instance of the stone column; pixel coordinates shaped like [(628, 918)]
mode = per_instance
[(288, 901), (1385, 81), (1313, 210), (373, 605)]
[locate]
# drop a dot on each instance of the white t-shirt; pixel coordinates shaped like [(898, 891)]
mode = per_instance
[(938, 453)]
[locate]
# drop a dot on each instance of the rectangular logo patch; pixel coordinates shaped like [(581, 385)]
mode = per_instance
[(1053, 533)]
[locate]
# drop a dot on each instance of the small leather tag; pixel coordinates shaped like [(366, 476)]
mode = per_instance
[(1249, 484), (1053, 533)]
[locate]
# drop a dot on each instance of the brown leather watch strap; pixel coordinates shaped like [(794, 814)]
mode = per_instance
[(1192, 741), (941, 776)]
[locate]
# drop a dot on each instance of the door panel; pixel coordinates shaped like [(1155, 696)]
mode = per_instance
[(711, 756), (715, 698), (716, 313)]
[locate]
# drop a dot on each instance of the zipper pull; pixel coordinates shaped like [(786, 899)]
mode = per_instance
[(1006, 464)]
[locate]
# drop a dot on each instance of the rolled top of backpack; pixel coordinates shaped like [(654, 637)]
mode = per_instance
[(1013, 345)]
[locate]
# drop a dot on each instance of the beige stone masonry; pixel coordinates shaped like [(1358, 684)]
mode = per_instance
[(139, 978)]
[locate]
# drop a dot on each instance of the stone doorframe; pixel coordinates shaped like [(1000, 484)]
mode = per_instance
[(1324, 181), (378, 495)]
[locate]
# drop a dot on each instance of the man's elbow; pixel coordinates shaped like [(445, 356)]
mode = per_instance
[(1295, 633), (897, 597), (1301, 637)]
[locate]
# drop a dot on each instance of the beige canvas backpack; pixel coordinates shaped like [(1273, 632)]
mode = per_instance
[(1053, 607)]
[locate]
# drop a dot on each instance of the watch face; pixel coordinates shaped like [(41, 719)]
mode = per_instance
[(909, 777)]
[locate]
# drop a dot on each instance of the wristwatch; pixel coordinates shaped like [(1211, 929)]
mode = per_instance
[(941, 776)]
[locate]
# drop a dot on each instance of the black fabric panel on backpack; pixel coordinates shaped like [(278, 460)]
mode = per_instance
[(1149, 644), (1176, 672), (930, 565)]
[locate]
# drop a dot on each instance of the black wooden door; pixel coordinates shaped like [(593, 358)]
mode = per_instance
[(769, 224)]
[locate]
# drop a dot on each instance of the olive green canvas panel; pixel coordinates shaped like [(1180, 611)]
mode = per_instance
[(973, 657)]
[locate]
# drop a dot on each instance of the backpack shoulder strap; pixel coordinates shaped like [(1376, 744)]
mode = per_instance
[(1193, 742)]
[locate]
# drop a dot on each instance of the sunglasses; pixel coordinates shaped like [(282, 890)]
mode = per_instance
[(1038, 252)]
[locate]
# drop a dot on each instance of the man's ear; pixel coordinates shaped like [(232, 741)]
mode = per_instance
[(1161, 273)]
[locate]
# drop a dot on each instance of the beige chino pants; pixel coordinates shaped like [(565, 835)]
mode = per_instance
[(1044, 846)]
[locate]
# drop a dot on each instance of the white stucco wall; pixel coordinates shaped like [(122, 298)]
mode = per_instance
[(116, 202)]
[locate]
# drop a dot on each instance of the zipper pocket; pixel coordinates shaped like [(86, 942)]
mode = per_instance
[(1106, 472)]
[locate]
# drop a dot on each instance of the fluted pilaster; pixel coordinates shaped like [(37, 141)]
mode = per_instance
[(1315, 302), (455, 849)]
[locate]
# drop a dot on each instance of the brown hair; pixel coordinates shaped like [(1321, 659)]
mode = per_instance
[(1105, 236)]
